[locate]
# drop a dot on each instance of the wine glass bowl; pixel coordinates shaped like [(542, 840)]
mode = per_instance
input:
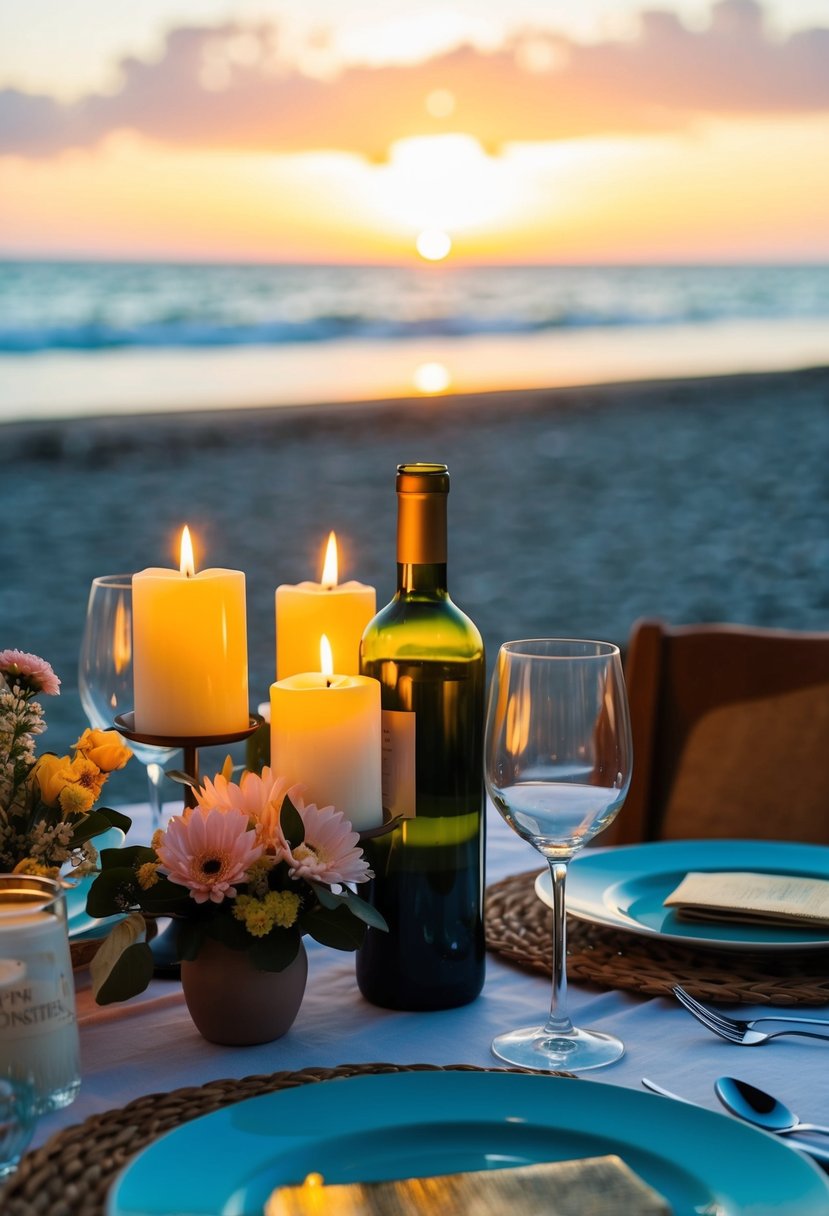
[(105, 672), (557, 765)]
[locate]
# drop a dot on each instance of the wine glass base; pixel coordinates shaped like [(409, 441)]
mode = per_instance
[(574, 1051)]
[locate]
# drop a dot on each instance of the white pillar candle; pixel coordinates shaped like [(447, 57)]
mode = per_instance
[(326, 734), (38, 1029), (190, 651), (305, 611)]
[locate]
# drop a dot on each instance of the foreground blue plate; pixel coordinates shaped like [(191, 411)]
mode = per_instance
[(624, 888), (413, 1124)]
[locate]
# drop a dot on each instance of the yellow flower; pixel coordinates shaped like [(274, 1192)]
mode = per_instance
[(147, 875), (76, 800), (259, 916), (49, 777), (284, 906), (254, 917), (29, 866), (158, 838), (55, 773), (104, 748)]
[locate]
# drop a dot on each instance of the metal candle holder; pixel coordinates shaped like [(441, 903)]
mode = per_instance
[(163, 946), (188, 744)]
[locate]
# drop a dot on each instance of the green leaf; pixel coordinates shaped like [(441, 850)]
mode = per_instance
[(291, 822), (230, 932), (339, 929), (116, 819), (324, 894), (365, 911), (93, 824), (275, 951), (346, 898), (113, 891), (190, 934), (133, 856), (181, 778), (123, 965), (165, 898)]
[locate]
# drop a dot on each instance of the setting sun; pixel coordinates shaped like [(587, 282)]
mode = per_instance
[(430, 378), (434, 244)]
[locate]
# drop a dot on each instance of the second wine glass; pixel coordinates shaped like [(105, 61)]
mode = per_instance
[(105, 672), (558, 760)]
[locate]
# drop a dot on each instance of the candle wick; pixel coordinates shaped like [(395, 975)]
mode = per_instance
[(327, 683)]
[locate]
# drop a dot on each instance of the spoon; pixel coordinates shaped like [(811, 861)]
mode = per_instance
[(760, 1108)]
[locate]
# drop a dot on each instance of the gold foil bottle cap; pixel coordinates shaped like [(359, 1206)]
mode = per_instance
[(422, 479), (421, 514)]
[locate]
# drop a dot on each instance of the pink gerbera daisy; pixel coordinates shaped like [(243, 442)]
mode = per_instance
[(30, 671), (260, 797), (329, 853), (207, 851)]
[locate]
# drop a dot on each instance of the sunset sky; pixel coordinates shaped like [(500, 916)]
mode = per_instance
[(523, 130)]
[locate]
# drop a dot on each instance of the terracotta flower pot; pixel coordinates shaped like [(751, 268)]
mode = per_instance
[(234, 1004)]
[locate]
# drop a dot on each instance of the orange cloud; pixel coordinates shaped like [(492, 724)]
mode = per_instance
[(231, 88)]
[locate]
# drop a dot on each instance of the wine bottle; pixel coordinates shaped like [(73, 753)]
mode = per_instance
[(429, 659)]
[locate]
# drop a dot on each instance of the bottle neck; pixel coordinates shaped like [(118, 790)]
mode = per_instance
[(421, 542), (425, 578)]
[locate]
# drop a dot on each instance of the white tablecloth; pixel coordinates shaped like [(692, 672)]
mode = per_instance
[(150, 1045)]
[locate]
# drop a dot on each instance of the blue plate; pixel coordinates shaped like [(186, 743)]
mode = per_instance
[(624, 888), (81, 926), (412, 1124)]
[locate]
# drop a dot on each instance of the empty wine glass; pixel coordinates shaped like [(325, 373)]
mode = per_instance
[(558, 759), (105, 672)]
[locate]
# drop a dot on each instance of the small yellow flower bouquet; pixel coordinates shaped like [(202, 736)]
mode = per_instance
[(48, 816)]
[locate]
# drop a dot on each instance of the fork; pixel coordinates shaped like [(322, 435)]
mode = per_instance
[(742, 1032)]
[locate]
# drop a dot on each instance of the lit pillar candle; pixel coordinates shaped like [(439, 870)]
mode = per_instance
[(306, 611), (325, 734), (190, 650)]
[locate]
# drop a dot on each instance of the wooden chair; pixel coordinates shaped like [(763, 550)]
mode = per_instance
[(730, 734)]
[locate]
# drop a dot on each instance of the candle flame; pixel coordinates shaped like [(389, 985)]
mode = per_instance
[(187, 563), (121, 638), (329, 569), (326, 657)]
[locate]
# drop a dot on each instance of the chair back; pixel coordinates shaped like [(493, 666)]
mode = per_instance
[(730, 734)]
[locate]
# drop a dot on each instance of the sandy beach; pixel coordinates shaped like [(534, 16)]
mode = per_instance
[(573, 511)]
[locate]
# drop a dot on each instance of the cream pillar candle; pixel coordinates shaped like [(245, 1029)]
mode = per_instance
[(325, 733), (190, 651), (305, 611)]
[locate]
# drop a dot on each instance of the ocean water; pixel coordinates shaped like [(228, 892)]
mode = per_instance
[(89, 307), (88, 338)]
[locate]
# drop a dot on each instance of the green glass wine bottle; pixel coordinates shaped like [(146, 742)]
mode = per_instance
[(429, 870)]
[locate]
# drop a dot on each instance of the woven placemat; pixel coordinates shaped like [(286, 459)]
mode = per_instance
[(518, 927), (71, 1174)]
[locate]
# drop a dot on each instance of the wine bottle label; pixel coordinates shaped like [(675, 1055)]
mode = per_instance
[(398, 763)]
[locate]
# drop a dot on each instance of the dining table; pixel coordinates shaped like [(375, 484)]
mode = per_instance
[(150, 1046)]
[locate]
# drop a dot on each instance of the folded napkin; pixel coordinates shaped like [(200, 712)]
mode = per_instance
[(766, 899), (600, 1186)]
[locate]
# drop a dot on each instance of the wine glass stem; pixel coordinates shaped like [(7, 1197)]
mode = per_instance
[(155, 775), (559, 1021)]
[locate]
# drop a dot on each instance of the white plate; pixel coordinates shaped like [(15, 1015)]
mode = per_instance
[(624, 888), (412, 1124)]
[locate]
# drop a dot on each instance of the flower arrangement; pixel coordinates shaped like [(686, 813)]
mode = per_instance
[(251, 865), (48, 816)]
